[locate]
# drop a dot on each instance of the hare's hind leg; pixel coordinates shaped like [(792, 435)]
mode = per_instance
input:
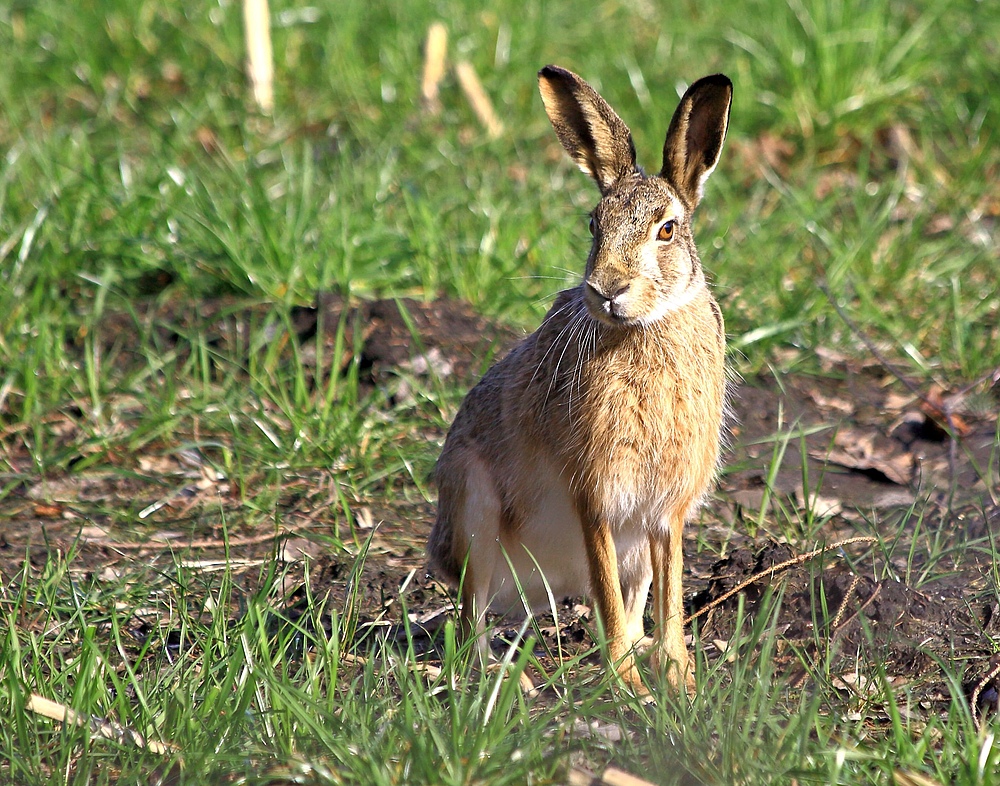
[(479, 519), (669, 652), (472, 617)]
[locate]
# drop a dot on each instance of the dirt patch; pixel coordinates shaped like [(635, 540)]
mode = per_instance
[(867, 440), (830, 613), (386, 338), (836, 454)]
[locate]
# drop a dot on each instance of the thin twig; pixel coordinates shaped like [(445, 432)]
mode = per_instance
[(770, 572), (976, 718), (870, 346), (205, 543), (992, 376)]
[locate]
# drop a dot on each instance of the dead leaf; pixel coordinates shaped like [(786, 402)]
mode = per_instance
[(939, 224), (767, 152), (612, 776), (835, 180), (112, 573), (208, 140), (819, 505), (432, 363), (158, 465), (898, 402), (831, 357), (363, 518), (299, 549), (940, 412), (843, 406), (893, 498), (611, 732), (862, 684), (857, 450), (748, 499)]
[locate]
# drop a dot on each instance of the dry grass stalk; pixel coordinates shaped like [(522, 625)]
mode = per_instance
[(477, 97), (205, 543), (260, 63), (102, 728), (612, 776), (435, 54), (902, 778)]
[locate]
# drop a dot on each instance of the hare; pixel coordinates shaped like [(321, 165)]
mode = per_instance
[(573, 465)]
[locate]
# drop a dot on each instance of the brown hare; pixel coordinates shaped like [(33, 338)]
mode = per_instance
[(576, 460)]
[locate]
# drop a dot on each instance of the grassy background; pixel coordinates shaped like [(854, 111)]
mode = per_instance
[(863, 154), (130, 156)]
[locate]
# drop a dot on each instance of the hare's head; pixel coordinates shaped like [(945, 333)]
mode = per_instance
[(643, 262)]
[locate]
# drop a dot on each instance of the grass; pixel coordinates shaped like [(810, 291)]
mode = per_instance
[(863, 156), (262, 699)]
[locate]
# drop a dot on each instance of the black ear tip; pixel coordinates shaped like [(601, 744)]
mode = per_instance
[(552, 72), (718, 81)]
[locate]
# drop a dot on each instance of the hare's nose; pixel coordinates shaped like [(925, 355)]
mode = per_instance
[(610, 294)]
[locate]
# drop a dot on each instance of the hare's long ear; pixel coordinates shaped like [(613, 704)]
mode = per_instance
[(593, 135), (695, 137)]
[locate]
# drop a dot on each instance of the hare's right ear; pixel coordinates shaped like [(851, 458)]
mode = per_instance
[(593, 135), (695, 137)]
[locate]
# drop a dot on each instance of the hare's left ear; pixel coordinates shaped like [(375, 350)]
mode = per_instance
[(694, 140), (593, 135)]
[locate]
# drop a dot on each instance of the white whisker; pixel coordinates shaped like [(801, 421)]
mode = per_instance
[(552, 346), (571, 331)]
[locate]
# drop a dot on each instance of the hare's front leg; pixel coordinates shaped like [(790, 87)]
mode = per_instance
[(605, 589), (669, 653)]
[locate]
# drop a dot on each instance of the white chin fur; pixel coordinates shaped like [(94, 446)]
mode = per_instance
[(666, 305)]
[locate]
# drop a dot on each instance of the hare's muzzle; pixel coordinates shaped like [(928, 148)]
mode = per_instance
[(608, 302)]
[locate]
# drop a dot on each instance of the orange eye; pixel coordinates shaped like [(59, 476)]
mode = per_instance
[(593, 226), (666, 232)]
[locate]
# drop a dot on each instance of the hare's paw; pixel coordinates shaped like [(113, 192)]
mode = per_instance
[(673, 668), (526, 683), (631, 679)]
